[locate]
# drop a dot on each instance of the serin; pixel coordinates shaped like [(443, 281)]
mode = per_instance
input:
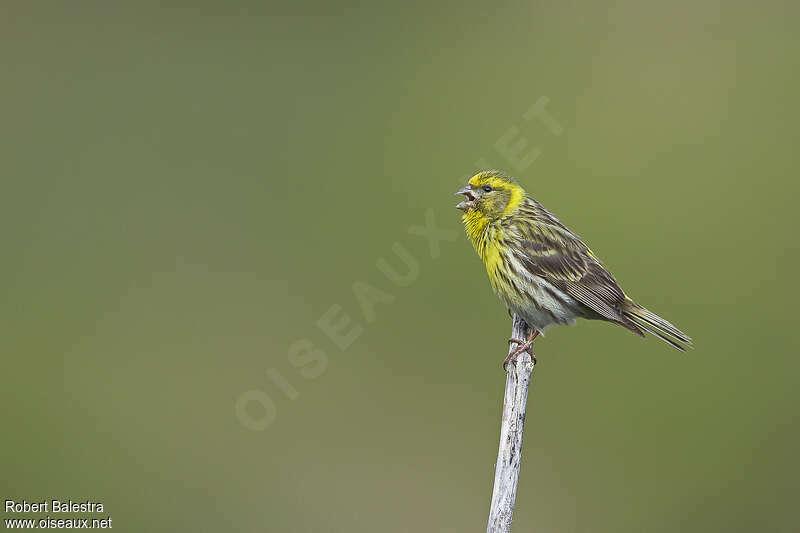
[(541, 270)]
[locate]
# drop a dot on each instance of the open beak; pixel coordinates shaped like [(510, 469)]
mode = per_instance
[(469, 203)]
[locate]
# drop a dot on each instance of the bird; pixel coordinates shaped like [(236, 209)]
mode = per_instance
[(541, 270)]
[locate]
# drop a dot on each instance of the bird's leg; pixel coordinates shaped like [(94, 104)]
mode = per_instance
[(523, 346)]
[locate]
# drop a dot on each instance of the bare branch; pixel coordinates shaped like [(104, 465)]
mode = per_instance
[(509, 454)]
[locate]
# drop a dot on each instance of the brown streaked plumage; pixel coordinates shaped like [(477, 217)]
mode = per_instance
[(541, 270)]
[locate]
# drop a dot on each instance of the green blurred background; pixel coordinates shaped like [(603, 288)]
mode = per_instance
[(188, 189)]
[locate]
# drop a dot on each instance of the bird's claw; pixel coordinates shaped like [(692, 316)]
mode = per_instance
[(523, 346)]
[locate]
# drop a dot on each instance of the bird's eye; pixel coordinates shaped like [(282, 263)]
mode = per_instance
[(487, 189)]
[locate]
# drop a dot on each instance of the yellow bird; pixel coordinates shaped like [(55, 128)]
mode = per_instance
[(541, 270)]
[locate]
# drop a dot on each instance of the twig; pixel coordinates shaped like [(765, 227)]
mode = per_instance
[(506, 474)]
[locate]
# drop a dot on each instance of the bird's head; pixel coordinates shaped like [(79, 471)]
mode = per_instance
[(490, 195)]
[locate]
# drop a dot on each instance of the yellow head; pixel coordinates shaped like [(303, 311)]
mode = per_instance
[(490, 195)]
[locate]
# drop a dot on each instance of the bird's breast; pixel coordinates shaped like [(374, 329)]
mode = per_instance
[(502, 275)]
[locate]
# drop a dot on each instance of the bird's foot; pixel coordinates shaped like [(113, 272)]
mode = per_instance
[(522, 346)]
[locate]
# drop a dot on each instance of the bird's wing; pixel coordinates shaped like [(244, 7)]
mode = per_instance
[(562, 259)]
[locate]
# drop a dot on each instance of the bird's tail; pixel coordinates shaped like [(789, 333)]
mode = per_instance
[(656, 325)]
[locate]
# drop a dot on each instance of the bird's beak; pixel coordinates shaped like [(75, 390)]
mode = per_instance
[(469, 203)]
